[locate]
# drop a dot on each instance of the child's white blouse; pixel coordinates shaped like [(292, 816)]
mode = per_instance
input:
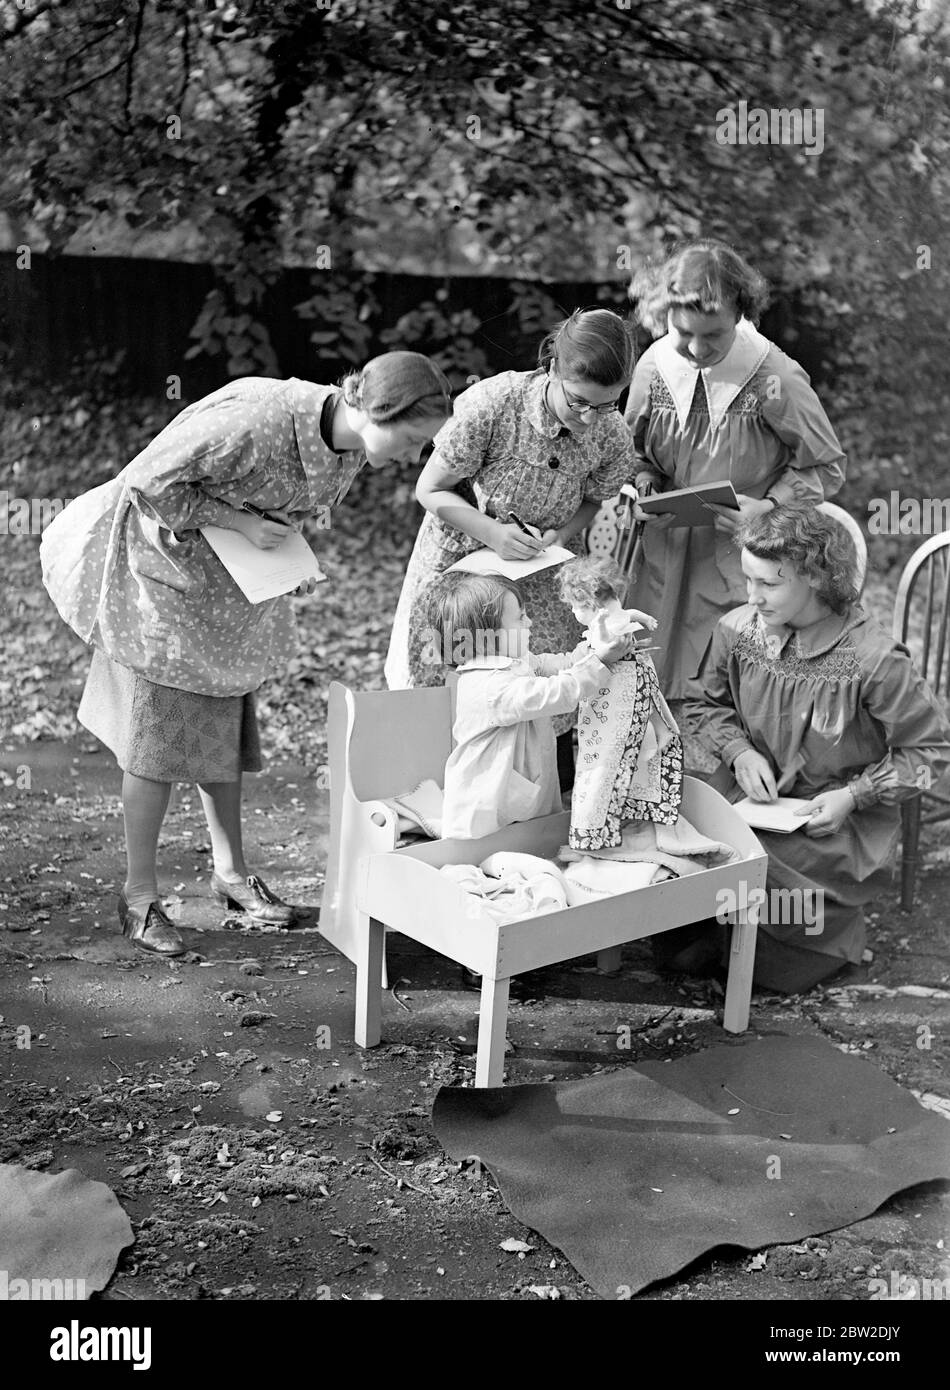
[(504, 765)]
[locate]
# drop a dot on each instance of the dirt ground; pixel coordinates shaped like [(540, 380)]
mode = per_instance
[(261, 1155)]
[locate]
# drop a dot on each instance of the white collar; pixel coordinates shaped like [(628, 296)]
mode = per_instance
[(722, 382)]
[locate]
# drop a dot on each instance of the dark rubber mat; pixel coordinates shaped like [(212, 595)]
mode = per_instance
[(635, 1173)]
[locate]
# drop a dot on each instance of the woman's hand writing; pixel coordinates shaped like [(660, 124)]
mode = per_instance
[(511, 543), (754, 775), (264, 534)]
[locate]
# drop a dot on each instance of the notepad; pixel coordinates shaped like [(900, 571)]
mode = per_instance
[(487, 562), (264, 574), (691, 505), (778, 815)]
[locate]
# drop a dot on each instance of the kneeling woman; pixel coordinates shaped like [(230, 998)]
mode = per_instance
[(801, 694)]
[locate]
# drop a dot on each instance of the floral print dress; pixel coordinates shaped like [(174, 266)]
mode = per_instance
[(514, 457), (128, 568)]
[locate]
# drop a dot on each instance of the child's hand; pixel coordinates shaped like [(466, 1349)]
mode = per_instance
[(645, 618), (610, 651)]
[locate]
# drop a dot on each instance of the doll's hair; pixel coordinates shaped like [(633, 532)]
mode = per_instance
[(399, 386), (463, 613), (815, 545), (594, 345), (592, 582), (703, 276)]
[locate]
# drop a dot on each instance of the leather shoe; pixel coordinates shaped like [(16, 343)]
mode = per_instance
[(252, 895), (152, 930)]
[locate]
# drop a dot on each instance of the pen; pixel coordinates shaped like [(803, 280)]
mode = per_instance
[(531, 531), (265, 516)]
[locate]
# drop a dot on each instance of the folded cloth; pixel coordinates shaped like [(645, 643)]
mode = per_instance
[(511, 886), (589, 879), (680, 847), (420, 809)]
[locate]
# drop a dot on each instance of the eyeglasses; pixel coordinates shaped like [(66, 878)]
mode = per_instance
[(578, 406)]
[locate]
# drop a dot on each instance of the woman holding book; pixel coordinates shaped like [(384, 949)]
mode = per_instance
[(800, 694), (538, 449), (179, 650), (712, 401)]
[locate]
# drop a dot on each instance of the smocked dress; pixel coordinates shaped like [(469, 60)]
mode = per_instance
[(752, 419), (833, 704), (178, 648), (514, 457)]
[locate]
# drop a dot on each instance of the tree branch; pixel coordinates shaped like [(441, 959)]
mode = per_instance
[(25, 17), (130, 61)]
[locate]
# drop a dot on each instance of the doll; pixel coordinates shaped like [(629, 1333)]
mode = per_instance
[(630, 756)]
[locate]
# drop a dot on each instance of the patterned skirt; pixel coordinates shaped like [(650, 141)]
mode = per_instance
[(169, 735)]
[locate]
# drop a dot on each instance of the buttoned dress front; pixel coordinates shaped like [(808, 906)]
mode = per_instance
[(838, 702), (514, 457), (128, 569), (752, 419)]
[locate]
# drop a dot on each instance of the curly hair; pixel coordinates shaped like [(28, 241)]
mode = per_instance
[(463, 615), (703, 276), (592, 582), (815, 545), (594, 345)]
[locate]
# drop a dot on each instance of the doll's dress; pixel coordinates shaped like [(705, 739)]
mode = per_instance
[(630, 756)]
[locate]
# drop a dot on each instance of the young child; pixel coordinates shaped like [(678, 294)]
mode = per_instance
[(504, 765), (630, 756)]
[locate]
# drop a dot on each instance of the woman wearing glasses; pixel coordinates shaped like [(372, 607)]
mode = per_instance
[(713, 400), (540, 449)]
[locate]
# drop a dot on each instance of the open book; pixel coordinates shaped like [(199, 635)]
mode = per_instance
[(487, 562), (264, 574), (778, 815)]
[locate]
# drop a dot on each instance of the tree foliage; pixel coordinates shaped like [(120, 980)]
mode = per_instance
[(547, 140)]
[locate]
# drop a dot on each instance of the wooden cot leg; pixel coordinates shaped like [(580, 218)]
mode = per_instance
[(492, 1027), (735, 1018), (608, 962), (369, 967)]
